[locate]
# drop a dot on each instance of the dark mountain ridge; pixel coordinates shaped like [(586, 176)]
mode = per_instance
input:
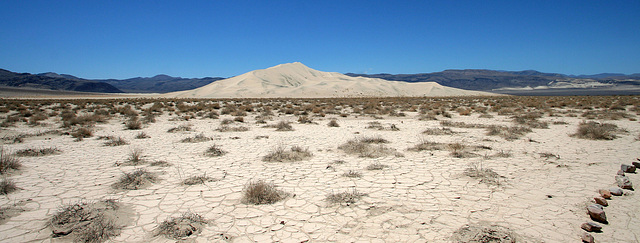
[(53, 82), (470, 79), (488, 80), (159, 83)]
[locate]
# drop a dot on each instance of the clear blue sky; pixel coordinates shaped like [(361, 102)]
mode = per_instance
[(123, 39)]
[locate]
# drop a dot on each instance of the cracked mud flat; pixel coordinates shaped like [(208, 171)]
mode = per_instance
[(421, 197)]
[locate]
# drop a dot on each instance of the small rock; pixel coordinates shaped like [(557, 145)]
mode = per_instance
[(636, 164), (591, 227), (601, 201), (628, 168), (620, 172), (606, 194), (596, 213), (616, 191), (587, 238), (624, 182)]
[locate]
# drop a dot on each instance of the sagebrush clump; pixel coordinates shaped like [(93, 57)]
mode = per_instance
[(135, 180), (345, 198), (280, 154), (182, 227), (261, 192), (87, 222), (214, 151), (8, 162), (37, 152), (597, 131)]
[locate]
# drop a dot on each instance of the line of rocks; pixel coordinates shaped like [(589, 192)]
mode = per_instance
[(596, 210)]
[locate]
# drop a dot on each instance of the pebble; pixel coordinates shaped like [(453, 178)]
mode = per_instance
[(596, 213), (586, 237), (636, 164), (606, 194), (601, 201), (616, 191), (624, 182), (591, 227), (628, 168)]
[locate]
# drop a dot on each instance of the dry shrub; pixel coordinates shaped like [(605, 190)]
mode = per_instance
[(135, 158), (378, 126), (462, 124), (597, 131), (339, 162), (531, 120), (214, 151), (160, 163), (196, 139), (87, 222), (70, 119), (8, 162), (352, 174), (226, 122), (375, 125), (133, 124), (503, 154), (181, 128), (485, 115), (119, 141), (508, 133), (83, 132), (333, 123), (260, 192), (280, 154), (180, 228), (373, 140), (232, 129), (363, 147), (485, 175), (458, 150), (428, 146), (376, 166), (345, 198), (605, 115), (483, 233), (198, 179), (439, 131), (135, 180), (7, 186), (547, 155), (305, 120), (37, 152), (142, 135), (283, 126)]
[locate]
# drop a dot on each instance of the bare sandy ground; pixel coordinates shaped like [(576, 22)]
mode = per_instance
[(421, 197)]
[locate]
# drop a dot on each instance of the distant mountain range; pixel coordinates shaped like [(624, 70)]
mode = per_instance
[(54, 82), (159, 83), (469, 79), (490, 80)]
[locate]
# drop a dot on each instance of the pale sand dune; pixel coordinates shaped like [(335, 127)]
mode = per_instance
[(295, 80), (421, 197)]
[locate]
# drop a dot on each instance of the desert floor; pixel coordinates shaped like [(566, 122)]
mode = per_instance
[(422, 196)]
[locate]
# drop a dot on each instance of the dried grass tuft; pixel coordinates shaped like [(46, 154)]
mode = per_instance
[(260, 192)]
